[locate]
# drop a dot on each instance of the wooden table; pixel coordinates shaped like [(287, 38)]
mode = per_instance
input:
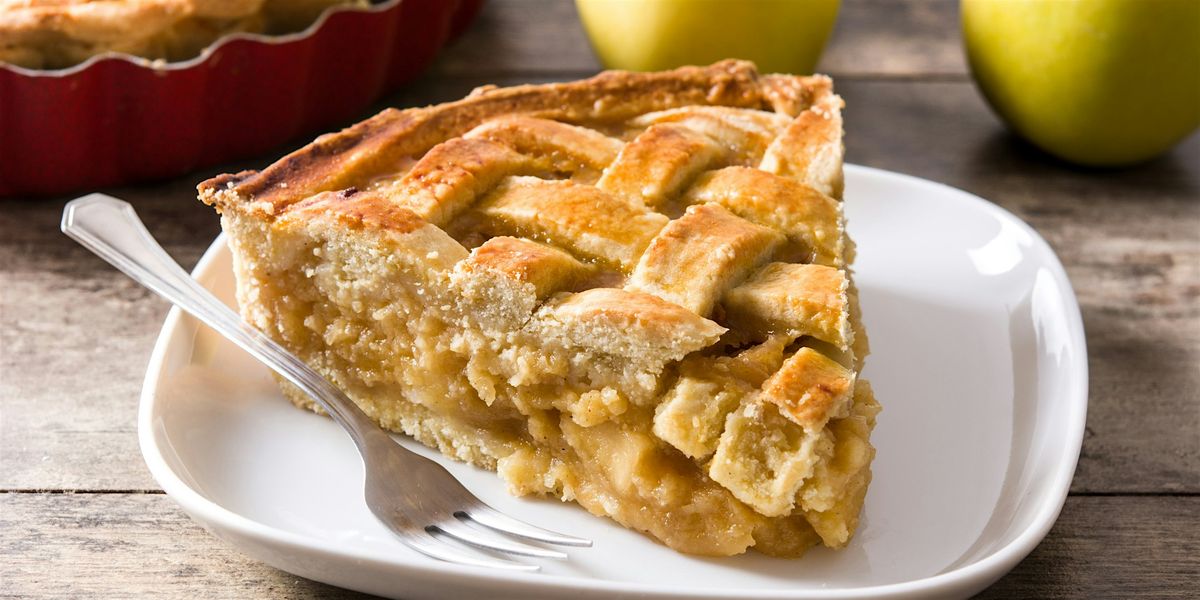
[(81, 517)]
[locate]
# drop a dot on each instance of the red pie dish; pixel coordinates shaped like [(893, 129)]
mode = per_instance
[(117, 118)]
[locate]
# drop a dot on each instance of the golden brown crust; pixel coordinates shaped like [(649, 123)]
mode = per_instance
[(696, 257), (810, 389), (545, 267), (657, 164), (94, 21), (795, 299), (452, 175), (810, 219), (656, 291), (356, 154), (579, 217), (568, 147), (51, 34), (784, 95), (622, 321), (811, 149), (742, 134), (357, 210)]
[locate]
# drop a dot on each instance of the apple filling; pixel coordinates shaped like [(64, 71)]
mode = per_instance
[(630, 292), (635, 440)]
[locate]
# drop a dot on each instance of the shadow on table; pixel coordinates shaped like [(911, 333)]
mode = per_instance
[(1175, 170)]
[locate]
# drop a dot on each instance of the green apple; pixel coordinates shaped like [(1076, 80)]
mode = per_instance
[(1096, 82), (782, 36)]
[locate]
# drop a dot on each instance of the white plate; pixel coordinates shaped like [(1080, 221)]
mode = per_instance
[(978, 359)]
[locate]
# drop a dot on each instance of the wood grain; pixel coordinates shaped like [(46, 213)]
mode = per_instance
[(1113, 547), (128, 546), (75, 336), (140, 545), (918, 39)]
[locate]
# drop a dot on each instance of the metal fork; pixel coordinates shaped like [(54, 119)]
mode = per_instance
[(415, 497)]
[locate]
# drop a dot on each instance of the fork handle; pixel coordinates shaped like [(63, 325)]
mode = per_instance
[(112, 230)]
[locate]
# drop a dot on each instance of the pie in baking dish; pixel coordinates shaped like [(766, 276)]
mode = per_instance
[(630, 291), (52, 34)]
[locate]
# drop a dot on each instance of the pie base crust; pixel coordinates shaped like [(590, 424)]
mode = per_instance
[(55, 34), (631, 292)]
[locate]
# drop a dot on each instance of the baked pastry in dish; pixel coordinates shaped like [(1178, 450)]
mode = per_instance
[(52, 34), (629, 291)]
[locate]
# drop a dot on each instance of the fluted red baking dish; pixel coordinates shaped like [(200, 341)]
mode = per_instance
[(118, 118)]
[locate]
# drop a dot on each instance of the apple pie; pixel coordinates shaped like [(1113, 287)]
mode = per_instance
[(630, 291), (53, 34)]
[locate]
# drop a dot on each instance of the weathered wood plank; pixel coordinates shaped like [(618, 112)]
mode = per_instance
[(522, 36), (128, 546), (138, 545), (1113, 547), (75, 336), (71, 362), (896, 38), (872, 38)]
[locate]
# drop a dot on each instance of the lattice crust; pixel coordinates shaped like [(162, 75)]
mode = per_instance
[(695, 258), (811, 220), (580, 218), (655, 258), (798, 299)]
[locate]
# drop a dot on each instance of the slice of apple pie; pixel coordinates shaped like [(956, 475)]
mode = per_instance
[(629, 291)]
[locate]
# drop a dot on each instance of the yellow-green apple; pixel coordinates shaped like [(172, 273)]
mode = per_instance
[(1096, 82), (783, 36)]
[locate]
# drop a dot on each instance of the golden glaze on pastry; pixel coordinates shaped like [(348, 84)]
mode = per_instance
[(52, 34), (628, 291)]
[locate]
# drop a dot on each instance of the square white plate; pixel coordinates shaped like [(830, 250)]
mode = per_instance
[(978, 358)]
